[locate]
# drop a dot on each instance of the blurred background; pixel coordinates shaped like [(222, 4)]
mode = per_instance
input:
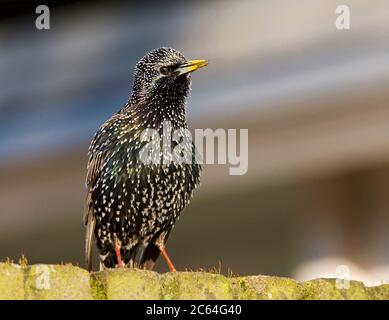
[(315, 100)]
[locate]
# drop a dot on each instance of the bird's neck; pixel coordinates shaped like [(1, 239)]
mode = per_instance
[(157, 111)]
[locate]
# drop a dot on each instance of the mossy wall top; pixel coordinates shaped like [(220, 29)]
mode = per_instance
[(70, 282)]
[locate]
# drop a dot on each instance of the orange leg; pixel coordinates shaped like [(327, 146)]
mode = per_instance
[(168, 261), (118, 256)]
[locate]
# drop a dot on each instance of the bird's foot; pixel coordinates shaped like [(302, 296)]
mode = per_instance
[(118, 256), (166, 256)]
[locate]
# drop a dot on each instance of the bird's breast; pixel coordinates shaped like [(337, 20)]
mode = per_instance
[(141, 200)]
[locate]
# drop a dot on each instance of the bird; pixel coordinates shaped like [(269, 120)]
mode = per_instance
[(132, 205)]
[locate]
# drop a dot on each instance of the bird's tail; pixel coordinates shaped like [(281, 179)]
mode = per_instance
[(90, 227), (150, 256), (142, 256), (137, 255)]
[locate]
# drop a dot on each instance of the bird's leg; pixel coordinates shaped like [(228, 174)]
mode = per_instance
[(118, 256), (166, 256)]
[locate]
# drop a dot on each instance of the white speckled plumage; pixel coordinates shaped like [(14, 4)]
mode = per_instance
[(131, 203)]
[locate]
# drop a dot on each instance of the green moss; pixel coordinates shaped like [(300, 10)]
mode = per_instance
[(380, 292), (97, 288), (11, 282), (23, 261), (321, 289), (170, 286), (241, 290), (70, 282), (357, 291), (326, 289)]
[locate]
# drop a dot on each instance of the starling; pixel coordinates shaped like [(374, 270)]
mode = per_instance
[(132, 205)]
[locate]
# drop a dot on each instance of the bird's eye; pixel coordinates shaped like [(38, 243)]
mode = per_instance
[(165, 70)]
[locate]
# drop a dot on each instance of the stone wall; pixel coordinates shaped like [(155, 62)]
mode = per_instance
[(70, 282)]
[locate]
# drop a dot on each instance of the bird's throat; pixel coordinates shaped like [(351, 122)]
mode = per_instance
[(153, 113)]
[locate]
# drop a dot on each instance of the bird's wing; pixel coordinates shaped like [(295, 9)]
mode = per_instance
[(98, 153)]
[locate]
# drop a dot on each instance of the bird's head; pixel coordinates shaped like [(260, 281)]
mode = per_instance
[(164, 74)]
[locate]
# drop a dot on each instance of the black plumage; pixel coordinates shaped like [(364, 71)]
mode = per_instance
[(132, 205)]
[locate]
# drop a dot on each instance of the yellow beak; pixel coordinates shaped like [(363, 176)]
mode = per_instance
[(191, 66)]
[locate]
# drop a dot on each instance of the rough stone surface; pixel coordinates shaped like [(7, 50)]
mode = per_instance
[(11, 282), (196, 285), (56, 282), (325, 289), (266, 288), (70, 282), (130, 284)]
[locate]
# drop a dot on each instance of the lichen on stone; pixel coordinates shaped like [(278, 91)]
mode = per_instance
[(70, 282)]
